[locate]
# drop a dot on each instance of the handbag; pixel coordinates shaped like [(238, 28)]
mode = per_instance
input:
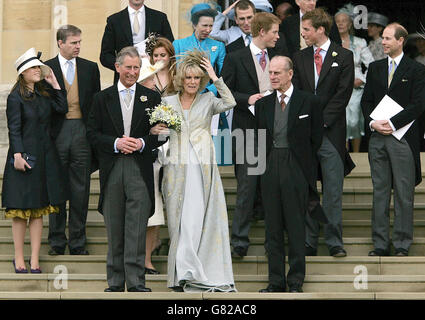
[(31, 160)]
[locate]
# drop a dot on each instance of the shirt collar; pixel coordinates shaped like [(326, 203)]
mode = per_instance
[(131, 10), (288, 93), (63, 61), (121, 87), (324, 47), (396, 59), (254, 49)]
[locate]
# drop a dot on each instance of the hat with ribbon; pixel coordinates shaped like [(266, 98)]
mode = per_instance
[(149, 70), (31, 59)]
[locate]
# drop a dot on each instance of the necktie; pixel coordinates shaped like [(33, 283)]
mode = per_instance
[(127, 97), (136, 26), (393, 66), (70, 72), (318, 60), (263, 61), (282, 101), (248, 40)]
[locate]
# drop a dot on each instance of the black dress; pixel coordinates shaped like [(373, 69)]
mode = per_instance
[(29, 131)]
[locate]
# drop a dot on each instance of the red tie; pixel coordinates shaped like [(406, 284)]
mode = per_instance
[(318, 60), (263, 61)]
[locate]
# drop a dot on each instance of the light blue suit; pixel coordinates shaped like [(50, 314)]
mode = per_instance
[(214, 48)]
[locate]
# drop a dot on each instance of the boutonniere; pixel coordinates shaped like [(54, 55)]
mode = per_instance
[(334, 54), (213, 48), (143, 98)]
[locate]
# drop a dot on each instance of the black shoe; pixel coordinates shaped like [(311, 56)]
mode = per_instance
[(79, 252), (114, 289), (401, 253), (139, 288), (309, 251), (55, 251), (239, 252), (296, 289), (272, 288), (378, 253), (177, 289), (338, 252), (151, 271)]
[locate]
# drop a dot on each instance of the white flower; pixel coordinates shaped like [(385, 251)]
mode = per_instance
[(164, 113), (334, 54), (143, 98), (213, 48)]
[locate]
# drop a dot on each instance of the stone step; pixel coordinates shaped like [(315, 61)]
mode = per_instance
[(249, 265), (356, 246), (48, 282), (351, 228)]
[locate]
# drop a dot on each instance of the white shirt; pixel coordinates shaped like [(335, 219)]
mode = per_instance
[(65, 65), (121, 91), (256, 51), (288, 94), (141, 17)]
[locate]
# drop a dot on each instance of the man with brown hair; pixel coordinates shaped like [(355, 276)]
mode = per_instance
[(81, 79), (245, 72), (394, 163), (327, 70)]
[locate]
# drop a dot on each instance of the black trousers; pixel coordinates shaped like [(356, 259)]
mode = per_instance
[(285, 198)]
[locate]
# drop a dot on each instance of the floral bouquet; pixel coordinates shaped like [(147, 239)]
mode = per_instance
[(164, 113)]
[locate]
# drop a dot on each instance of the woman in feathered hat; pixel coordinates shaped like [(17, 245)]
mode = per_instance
[(199, 256), (362, 55)]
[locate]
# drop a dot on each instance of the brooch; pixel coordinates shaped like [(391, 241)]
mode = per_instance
[(213, 48)]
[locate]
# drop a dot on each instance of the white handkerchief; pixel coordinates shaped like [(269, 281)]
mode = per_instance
[(334, 64), (303, 116)]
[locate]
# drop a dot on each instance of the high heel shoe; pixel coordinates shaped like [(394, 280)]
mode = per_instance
[(23, 270), (38, 270)]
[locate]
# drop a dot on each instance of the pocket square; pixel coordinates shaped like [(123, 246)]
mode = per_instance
[(334, 64), (303, 116), (404, 80)]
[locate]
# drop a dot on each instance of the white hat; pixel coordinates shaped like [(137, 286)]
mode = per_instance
[(262, 5), (148, 69), (31, 59)]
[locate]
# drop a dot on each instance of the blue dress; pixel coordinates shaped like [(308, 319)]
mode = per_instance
[(216, 52)]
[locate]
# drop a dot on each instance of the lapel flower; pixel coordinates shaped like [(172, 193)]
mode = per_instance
[(143, 98), (213, 48), (334, 54)]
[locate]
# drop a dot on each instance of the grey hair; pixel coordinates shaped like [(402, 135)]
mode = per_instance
[(65, 31), (127, 51), (288, 62)]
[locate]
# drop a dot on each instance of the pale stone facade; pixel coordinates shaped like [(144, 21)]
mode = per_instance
[(33, 23)]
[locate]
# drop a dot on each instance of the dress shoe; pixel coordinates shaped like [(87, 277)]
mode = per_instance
[(20, 270), (114, 289), (270, 288), (55, 251), (338, 252), (151, 271), (295, 289), (139, 288), (178, 289), (401, 253), (309, 251), (239, 252), (37, 270), (79, 252), (378, 253)]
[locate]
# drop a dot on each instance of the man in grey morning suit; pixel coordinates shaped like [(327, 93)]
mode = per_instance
[(118, 128), (81, 79), (394, 164)]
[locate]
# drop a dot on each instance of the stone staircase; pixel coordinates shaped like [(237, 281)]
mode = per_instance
[(327, 278)]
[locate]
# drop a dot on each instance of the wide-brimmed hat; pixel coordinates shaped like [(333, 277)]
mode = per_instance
[(260, 5), (149, 70), (31, 59), (377, 18)]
